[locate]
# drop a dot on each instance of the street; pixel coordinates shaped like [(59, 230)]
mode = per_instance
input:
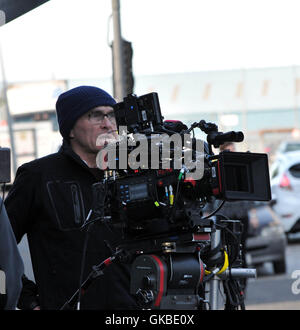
[(269, 291)]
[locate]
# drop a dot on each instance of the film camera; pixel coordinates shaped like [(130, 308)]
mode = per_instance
[(144, 196), (175, 250)]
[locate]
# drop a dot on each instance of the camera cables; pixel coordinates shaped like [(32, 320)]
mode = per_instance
[(99, 191)]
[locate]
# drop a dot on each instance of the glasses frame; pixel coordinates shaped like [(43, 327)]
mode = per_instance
[(110, 116)]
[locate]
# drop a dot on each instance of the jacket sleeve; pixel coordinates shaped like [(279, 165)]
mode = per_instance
[(19, 201), (20, 208), (29, 298)]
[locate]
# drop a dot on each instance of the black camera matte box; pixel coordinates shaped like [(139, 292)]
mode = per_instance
[(245, 176)]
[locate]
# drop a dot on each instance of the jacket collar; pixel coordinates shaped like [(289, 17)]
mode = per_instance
[(67, 150)]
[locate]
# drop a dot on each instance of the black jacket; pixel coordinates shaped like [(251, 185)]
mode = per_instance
[(49, 201)]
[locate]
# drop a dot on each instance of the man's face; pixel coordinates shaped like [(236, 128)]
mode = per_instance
[(97, 123), (230, 147)]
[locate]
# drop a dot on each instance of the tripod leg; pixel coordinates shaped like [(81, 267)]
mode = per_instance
[(213, 292)]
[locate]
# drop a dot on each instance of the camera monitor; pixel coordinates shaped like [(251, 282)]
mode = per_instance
[(139, 113), (244, 176)]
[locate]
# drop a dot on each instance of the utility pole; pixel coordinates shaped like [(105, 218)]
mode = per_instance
[(296, 91), (8, 116), (118, 67)]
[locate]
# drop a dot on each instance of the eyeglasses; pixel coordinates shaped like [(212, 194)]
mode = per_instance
[(96, 117)]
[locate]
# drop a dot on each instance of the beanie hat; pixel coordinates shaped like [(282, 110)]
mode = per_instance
[(73, 104)]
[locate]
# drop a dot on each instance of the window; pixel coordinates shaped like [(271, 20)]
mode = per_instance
[(295, 170)]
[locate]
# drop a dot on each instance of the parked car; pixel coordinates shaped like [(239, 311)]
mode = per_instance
[(285, 187), (288, 146), (266, 240)]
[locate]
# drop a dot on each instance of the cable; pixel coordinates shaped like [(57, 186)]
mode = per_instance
[(219, 270), (173, 209), (234, 248), (225, 265), (86, 225), (94, 274), (83, 261), (234, 298), (215, 211)]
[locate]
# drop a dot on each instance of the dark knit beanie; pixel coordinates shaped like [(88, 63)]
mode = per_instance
[(74, 103)]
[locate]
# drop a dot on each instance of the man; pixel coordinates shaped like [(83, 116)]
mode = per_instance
[(229, 146), (51, 198)]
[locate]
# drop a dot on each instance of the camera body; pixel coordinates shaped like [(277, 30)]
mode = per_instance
[(149, 201)]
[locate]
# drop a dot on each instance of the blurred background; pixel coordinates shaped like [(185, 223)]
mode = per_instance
[(232, 62)]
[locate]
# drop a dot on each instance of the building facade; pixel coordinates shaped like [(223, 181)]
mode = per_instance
[(263, 103)]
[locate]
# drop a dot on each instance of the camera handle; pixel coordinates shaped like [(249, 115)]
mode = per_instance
[(94, 274), (214, 282), (214, 137)]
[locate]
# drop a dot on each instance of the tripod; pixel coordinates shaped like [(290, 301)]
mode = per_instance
[(168, 272)]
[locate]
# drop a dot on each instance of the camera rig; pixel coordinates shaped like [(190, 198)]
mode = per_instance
[(174, 249)]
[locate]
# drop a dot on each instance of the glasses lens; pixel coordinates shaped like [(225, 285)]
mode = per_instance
[(111, 116), (97, 116)]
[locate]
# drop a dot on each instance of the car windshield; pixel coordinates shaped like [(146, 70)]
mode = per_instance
[(292, 147)]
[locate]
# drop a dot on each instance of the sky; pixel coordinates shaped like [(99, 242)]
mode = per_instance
[(69, 39)]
